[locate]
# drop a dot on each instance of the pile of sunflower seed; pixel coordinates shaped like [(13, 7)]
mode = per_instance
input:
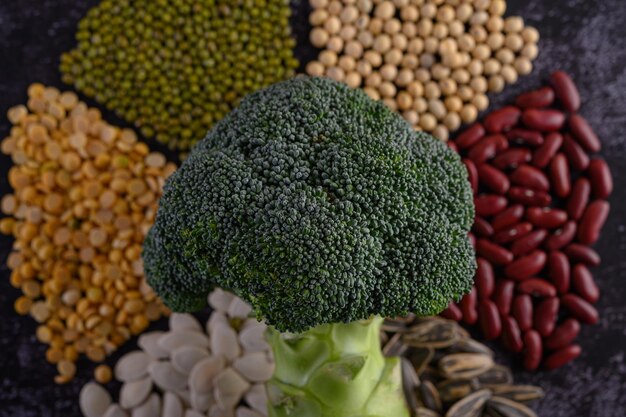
[(447, 373)]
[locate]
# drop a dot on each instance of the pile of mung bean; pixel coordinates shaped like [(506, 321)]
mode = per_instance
[(434, 61), (85, 194), (175, 67)]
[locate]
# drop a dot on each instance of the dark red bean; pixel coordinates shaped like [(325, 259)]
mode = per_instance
[(453, 312), (489, 204), (528, 243), (559, 271), (508, 217), (495, 254), (546, 120), (578, 200), (536, 287), (531, 177), (563, 335), (559, 174), (452, 146), (468, 307), (577, 157), (484, 279), (583, 133), (472, 174), (529, 197), (562, 357), (482, 227), (551, 145), (600, 176), (545, 317), (581, 253), (533, 350), (493, 178), (561, 237), (546, 217), (512, 158), (503, 296), (470, 136), (486, 148), (525, 137), (593, 219), (584, 284), (522, 310), (565, 90), (489, 319), (526, 266), (511, 233), (543, 97), (502, 119), (511, 335), (580, 308)]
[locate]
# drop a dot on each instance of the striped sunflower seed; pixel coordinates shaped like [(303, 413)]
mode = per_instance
[(426, 412), (470, 346), (451, 390), (504, 407), (429, 396), (464, 365), (434, 333), (495, 376), (470, 406), (420, 358), (519, 393)]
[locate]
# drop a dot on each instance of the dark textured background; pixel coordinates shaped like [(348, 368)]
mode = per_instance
[(584, 37)]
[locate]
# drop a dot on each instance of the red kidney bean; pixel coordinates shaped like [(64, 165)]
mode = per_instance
[(580, 308), (502, 119), (522, 310), (503, 296), (546, 120), (559, 271), (543, 97), (533, 350), (485, 149), (543, 155), (452, 146), (600, 176), (489, 319), (559, 173), (529, 197), (468, 307), (562, 357), (511, 335), (489, 204), (472, 174), (537, 287), (484, 279), (565, 90), (583, 133), (546, 217), (531, 177), (561, 237), (526, 266), (453, 312), (514, 232), (578, 200), (508, 217), (584, 283), (593, 219), (528, 243), (493, 178), (563, 335), (482, 227), (576, 155), (495, 254), (581, 253), (525, 137), (470, 136), (512, 158), (545, 316)]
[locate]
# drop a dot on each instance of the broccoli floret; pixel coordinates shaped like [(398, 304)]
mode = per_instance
[(316, 205)]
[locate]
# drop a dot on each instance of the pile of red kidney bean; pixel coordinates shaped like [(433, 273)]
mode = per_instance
[(540, 203)]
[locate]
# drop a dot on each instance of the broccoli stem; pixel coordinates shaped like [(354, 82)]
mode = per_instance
[(334, 370)]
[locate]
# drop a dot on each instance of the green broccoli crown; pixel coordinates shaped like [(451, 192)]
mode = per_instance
[(317, 205)]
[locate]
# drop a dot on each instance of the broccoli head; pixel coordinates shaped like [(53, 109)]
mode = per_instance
[(317, 205)]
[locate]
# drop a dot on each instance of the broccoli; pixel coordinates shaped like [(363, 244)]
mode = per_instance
[(325, 211)]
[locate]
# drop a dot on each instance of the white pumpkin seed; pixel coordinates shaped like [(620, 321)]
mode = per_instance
[(229, 388), (202, 401), (151, 408), (115, 410), (224, 342), (239, 308), (246, 412), (255, 367), (181, 321), (193, 413), (134, 393), (252, 336), (217, 317), (256, 397), (132, 366), (184, 358), (149, 343), (172, 406), (217, 411), (93, 400), (202, 375), (166, 377), (220, 300), (172, 340), (185, 397)]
